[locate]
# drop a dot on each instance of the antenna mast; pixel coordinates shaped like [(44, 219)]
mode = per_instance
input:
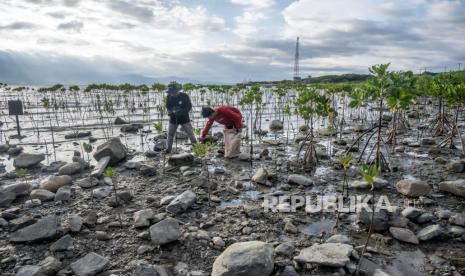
[(296, 61)]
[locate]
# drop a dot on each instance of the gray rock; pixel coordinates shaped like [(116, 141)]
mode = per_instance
[(112, 148), (45, 228), (165, 231), (42, 195), (53, 183), (411, 212), (430, 232), (65, 243), (182, 159), (456, 166), (260, 176), (413, 187), (298, 179), (87, 182), (327, 254), (428, 142), (379, 183), (120, 121), (443, 214), (63, 194), (21, 222), (182, 202), (29, 270), (338, 238), (75, 223), (424, 218), (71, 168), (276, 125), (28, 160), (458, 219), (150, 270), (285, 249), (53, 167), (125, 195), (50, 266), (6, 198), (131, 128), (456, 231), (102, 192), (167, 199), (101, 166), (289, 271), (19, 189), (245, 258), (89, 265), (456, 187), (381, 219), (148, 170), (142, 218), (404, 235), (75, 135)]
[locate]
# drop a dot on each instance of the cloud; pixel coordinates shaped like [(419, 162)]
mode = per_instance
[(141, 13), (71, 26), (407, 33), (71, 3), (254, 3), (18, 26)]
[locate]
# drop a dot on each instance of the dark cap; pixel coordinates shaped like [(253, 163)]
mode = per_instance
[(173, 87)]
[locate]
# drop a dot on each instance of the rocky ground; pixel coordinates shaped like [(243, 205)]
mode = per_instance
[(68, 219)]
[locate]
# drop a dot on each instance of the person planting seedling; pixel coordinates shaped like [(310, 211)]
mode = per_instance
[(231, 118), (178, 105)]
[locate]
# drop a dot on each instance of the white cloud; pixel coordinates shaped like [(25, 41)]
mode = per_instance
[(254, 3)]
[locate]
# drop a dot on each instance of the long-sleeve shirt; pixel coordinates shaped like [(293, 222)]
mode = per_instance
[(178, 108), (225, 115)]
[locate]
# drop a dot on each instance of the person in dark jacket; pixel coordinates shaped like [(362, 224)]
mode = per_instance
[(179, 105)]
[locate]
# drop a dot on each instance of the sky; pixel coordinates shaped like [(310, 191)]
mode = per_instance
[(83, 41)]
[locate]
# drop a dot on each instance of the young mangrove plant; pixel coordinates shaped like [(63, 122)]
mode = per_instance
[(376, 90), (369, 174), (202, 150)]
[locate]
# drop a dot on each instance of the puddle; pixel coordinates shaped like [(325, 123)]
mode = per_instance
[(317, 227), (323, 171), (407, 263)]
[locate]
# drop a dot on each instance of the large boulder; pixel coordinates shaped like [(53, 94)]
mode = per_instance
[(456, 187), (182, 159), (44, 229), (112, 148), (89, 265), (276, 125), (55, 182), (28, 160), (182, 202), (131, 128), (298, 179), (142, 218), (430, 232), (42, 195), (403, 234), (413, 187), (380, 221), (71, 168), (19, 189), (165, 231), (245, 259), (6, 198), (120, 121), (326, 254)]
